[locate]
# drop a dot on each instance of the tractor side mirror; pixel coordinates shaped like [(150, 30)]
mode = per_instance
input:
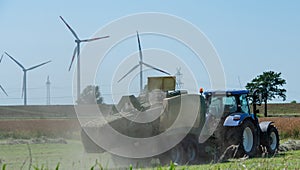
[(257, 99), (260, 97)]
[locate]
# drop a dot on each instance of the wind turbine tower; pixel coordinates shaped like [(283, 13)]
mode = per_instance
[(77, 51), (0, 85), (24, 89), (48, 91)]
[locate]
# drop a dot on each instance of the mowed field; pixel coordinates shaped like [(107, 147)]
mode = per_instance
[(72, 156), (35, 124), (49, 155)]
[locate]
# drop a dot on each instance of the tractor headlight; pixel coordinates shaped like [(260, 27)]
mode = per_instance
[(236, 117)]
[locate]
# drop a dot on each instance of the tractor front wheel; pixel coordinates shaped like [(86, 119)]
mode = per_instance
[(246, 137), (271, 140), (249, 142)]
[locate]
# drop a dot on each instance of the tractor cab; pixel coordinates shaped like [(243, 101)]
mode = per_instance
[(224, 103)]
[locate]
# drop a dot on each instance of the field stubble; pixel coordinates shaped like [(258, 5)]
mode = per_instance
[(288, 127), (32, 128)]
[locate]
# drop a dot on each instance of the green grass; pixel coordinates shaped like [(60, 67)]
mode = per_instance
[(289, 160), (72, 156), (47, 156)]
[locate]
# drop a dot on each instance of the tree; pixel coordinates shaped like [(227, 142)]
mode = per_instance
[(270, 84), (90, 95)]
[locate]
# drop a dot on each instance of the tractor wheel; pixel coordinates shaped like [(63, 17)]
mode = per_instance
[(190, 145), (247, 139), (272, 140), (175, 155)]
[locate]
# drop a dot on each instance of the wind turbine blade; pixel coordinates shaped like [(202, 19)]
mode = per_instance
[(15, 61), (139, 44), (1, 58), (157, 69), (39, 65), (3, 90), (73, 57), (73, 32), (93, 39), (128, 72)]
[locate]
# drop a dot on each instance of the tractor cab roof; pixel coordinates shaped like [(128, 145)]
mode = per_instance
[(227, 92)]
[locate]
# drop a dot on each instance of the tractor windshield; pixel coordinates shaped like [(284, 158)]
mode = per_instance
[(244, 106)]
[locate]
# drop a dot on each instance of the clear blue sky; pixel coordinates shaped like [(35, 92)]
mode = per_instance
[(250, 37)]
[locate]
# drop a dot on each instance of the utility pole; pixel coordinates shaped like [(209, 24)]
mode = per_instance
[(179, 76)]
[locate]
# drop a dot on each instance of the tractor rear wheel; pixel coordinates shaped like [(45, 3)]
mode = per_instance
[(191, 150), (176, 155)]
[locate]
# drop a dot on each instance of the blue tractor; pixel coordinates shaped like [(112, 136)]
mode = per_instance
[(223, 120), (237, 125)]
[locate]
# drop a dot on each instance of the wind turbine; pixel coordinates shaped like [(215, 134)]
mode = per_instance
[(77, 49), (24, 89), (141, 63)]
